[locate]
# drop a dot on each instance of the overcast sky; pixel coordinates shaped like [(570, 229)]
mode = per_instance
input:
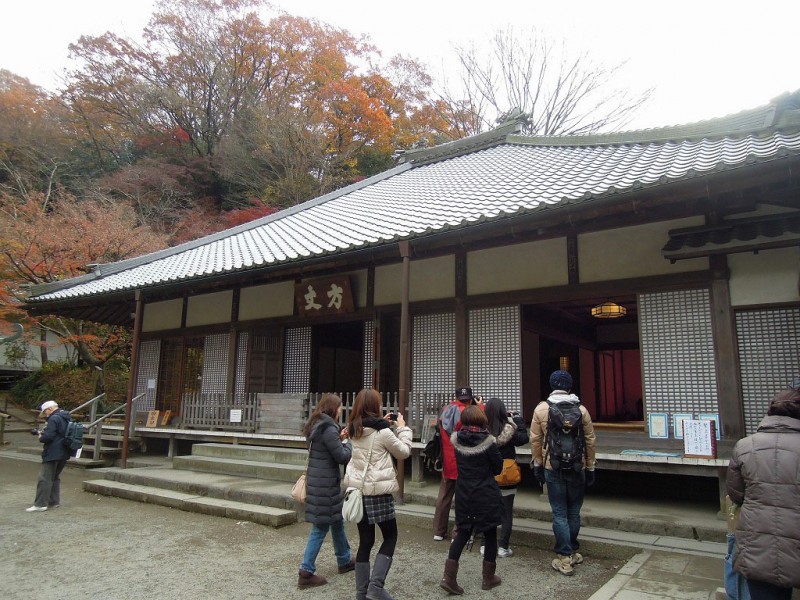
[(705, 58)]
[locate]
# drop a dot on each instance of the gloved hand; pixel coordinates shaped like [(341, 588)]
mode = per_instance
[(538, 472), (589, 478)]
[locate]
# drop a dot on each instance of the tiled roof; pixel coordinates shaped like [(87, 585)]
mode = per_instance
[(734, 235), (436, 191)]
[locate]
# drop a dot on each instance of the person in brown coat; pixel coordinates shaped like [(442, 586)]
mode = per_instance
[(763, 479)]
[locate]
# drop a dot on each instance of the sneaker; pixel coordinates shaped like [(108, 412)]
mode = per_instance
[(505, 552), (576, 559), (438, 538), (35, 508), (53, 505), (562, 564)]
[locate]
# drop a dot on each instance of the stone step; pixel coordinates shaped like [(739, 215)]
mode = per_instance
[(213, 485), (265, 515), (272, 454), (241, 468)]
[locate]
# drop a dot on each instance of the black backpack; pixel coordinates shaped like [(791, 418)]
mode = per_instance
[(73, 438), (432, 454), (564, 442)]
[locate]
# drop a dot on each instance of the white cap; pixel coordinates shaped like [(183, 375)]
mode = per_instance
[(48, 404)]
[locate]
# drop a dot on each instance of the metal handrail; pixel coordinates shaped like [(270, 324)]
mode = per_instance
[(104, 417), (87, 403)]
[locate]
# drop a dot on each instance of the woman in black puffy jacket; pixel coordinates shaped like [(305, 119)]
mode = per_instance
[(479, 505), (328, 448)]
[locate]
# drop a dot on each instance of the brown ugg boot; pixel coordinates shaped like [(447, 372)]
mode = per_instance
[(490, 580), (307, 580), (449, 582)]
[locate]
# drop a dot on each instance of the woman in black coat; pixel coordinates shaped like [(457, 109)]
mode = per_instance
[(479, 505), (328, 448)]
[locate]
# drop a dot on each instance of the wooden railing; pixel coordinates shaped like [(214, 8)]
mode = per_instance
[(420, 404), (215, 411)]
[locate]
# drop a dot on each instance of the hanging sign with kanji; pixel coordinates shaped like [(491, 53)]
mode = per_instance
[(324, 296)]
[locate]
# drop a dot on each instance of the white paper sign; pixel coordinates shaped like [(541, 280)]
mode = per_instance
[(151, 384), (236, 415), (698, 439)]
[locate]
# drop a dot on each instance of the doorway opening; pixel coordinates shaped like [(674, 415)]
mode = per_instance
[(337, 357), (602, 355)]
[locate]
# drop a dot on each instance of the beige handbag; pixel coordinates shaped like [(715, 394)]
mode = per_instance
[(299, 487)]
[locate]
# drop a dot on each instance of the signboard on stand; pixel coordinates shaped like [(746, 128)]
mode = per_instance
[(699, 439)]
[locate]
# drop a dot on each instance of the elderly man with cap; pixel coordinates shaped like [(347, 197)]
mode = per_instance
[(449, 421), (54, 457), (565, 486)]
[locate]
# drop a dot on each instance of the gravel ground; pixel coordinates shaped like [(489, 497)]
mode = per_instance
[(108, 548)]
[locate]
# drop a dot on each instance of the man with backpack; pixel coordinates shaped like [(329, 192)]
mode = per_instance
[(55, 454), (449, 421), (562, 447)]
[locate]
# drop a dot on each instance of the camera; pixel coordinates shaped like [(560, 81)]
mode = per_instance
[(392, 416), (35, 432)]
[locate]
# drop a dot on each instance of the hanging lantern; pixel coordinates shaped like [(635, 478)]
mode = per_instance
[(609, 310)]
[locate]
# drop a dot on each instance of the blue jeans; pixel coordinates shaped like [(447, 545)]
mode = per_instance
[(341, 547), (735, 584), (565, 493)]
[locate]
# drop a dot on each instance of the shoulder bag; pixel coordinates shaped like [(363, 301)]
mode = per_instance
[(353, 507), (510, 475), (299, 487)]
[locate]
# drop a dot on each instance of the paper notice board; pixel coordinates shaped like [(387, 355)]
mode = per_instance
[(699, 439)]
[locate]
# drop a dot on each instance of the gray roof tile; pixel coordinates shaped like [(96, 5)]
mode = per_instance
[(511, 177)]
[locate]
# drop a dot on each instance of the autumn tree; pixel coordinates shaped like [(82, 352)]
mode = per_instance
[(280, 110), (560, 92), (46, 240)]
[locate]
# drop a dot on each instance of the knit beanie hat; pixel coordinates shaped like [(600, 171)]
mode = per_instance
[(561, 380)]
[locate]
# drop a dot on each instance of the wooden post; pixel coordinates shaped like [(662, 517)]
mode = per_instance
[(129, 420), (405, 371)]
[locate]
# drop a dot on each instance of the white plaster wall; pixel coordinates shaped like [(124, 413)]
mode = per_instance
[(267, 301), (208, 309), (769, 277), (56, 351), (429, 279), (162, 315), (517, 267), (632, 252)]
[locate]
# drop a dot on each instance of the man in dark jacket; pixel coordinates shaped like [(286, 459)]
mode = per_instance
[(54, 457)]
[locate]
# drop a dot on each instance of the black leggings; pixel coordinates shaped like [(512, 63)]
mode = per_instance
[(462, 537), (366, 539)]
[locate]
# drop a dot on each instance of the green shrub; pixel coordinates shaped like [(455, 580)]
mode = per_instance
[(71, 386)]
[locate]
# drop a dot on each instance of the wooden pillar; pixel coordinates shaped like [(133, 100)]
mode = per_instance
[(233, 346), (462, 322), (405, 354), (137, 331), (729, 388)]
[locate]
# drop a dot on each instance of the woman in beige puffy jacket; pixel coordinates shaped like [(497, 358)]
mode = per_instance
[(376, 439)]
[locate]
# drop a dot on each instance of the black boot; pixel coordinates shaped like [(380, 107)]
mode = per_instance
[(375, 590), (490, 580), (449, 582), (362, 580)]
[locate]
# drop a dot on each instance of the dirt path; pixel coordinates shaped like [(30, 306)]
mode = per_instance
[(113, 549)]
